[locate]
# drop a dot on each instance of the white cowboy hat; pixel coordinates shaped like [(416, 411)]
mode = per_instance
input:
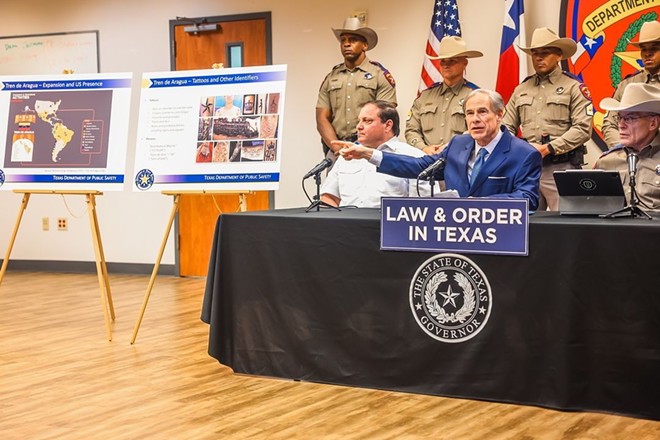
[(544, 37), (637, 97), (649, 33), (353, 26), (452, 47)]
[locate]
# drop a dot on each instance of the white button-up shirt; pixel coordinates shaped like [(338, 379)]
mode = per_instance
[(357, 183)]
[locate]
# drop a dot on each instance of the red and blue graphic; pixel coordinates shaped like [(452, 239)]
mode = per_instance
[(603, 31)]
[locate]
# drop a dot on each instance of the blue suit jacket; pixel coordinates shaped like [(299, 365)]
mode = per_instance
[(511, 171)]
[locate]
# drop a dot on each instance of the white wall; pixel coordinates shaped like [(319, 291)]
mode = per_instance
[(134, 37)]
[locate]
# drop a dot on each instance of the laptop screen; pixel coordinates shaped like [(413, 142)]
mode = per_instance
[(588, 183)]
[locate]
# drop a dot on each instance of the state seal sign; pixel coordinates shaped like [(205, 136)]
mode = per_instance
[(450, 298)]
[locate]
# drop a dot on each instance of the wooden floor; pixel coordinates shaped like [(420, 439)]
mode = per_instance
[(61, 379)]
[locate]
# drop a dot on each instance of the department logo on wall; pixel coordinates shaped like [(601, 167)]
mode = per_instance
[(2, 177), (450, 298), (603, 30)]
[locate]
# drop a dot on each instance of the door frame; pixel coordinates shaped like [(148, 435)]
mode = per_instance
[(219, 18), (179, 21)]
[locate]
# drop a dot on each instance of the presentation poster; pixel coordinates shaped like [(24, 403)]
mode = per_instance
[(217, 129), (64, 132)]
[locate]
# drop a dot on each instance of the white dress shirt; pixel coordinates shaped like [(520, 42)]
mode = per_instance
[(357, 183)]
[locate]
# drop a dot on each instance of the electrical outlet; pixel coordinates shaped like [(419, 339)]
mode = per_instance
[(62, 224), (45, 224)]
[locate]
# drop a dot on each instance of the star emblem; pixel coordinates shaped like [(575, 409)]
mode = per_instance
[(449, 297)]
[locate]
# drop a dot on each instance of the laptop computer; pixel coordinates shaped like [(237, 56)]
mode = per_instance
[(589, 192)]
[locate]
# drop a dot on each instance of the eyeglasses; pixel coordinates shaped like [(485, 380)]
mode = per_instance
[(628, 119)]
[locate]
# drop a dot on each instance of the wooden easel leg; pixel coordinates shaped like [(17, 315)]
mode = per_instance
[(175, 207), (91, 209), (5, 262), (104, 267), (242, 202)]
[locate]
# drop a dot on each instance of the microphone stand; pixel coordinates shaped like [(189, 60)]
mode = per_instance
[(318, 203), (631, 209)]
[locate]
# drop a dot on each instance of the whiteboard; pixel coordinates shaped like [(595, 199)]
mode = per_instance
[(50, 54)]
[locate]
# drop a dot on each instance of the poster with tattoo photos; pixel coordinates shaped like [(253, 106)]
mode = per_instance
[(210, 129)]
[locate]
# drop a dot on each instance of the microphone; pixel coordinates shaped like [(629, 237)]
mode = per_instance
[(431, 169), (325, 163), (632, 160)]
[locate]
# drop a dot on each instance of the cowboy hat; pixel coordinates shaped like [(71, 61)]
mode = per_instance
[(544, 37), (353, 26), (452, 46), (649, 33), (637, 97)]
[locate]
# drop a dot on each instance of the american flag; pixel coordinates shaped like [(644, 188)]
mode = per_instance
[(444, 22), (513, 62)]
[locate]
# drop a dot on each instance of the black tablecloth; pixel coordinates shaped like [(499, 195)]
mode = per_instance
[(310, 296)]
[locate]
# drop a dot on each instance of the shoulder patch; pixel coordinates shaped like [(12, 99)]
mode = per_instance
[(471, 85), (633, 74), (585, 91), (614, 148), (386, 73)]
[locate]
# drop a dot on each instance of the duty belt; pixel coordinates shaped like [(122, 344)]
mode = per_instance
[(351, 138), (574, 156)]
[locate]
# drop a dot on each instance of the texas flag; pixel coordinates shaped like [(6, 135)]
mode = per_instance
[(513, 62), (586, 49)]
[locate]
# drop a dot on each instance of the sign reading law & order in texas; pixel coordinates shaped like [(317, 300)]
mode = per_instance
[(480, 226)]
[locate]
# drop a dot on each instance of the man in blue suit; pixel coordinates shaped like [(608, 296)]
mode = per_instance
[(487, 162)]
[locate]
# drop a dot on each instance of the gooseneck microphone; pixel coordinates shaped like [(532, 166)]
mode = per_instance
[(325, 163), (632, 160), (431, 169)]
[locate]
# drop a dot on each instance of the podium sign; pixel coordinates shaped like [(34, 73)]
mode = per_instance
[(478, 226)]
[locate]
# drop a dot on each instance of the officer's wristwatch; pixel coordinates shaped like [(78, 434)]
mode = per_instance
[(551, 149)]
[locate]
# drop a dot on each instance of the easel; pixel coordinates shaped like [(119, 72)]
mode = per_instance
[(101, 269), (242, 206)]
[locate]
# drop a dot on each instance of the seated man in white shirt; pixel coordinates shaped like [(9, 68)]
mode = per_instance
[(356, 182)]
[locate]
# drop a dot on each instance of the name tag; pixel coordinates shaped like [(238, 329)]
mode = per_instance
[(478, 226)]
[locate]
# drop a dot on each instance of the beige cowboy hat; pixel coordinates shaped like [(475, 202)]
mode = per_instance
[(649, 33), (637, 97), (452, 47), (353, 26), (544, 37)]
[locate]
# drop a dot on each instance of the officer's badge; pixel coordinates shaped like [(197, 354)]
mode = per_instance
[(461, 102), (450, 298), (559, 90), (144, 179), (368, 75)]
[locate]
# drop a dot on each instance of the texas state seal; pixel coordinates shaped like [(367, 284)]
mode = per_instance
[(450, 298)]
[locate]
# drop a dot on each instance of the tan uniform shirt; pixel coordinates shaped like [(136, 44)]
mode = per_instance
[(345, 91), (553, 105), (647, 180), (610, 128), (437, 114)]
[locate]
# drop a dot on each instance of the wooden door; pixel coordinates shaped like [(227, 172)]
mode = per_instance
[(250, 36)]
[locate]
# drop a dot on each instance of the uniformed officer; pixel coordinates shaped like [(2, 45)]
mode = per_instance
[(649, 43), (350, 85), (638, 118), (437, 113), (553, 111)]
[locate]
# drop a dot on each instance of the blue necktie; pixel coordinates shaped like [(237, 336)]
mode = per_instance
[(481, 158)]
